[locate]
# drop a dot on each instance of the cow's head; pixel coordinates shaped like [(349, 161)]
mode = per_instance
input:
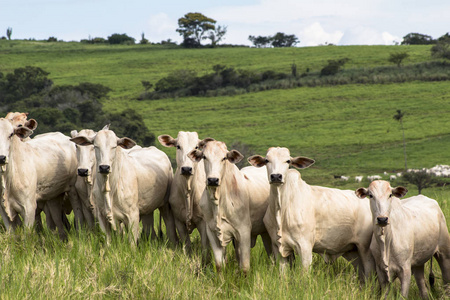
[(277, 161), (8, 132), (381, 195), (85, 154), (184, 143), (216, 158), (19, 119), (105, 146)]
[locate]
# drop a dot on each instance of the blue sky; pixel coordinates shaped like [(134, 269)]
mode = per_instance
[(345, 22)]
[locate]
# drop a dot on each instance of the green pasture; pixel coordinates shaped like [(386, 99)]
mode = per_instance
[(348, 130)]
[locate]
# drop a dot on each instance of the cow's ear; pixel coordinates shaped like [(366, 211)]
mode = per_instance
[(126, 143), (106, 127), (301, 162), (203, 142), (195, 155), (399, 191), (74, 133), (234, 156), (23, 132), (81, 140), (362, 193), (257, 161), (31, 124), (167, 141)]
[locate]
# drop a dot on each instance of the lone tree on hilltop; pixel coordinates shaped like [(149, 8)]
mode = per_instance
[(397, 58), (194, 28), (417, 39), (399, 117), (281, 39)]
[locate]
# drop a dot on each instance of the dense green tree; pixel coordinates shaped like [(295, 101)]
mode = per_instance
[(259, 41), (143, 40), (281, 39), (120, 39), (334, 66), (195, 26), (420, 179), (441, 49), (417, 39)]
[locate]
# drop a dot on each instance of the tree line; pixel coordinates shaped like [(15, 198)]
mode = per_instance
[(195, 27), (66, 107)]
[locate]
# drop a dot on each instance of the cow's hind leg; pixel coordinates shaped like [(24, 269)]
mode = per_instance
[(170, 223), (443, 260), (184, 234), (354, 258), (56, 211), (148, 223), (420, 280)]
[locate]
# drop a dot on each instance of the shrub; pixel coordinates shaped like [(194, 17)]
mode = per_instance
[(397, 58), (52, 39), (120, 39), (333, 67)]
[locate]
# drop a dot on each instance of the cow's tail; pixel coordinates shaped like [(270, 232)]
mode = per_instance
[(431, 277)]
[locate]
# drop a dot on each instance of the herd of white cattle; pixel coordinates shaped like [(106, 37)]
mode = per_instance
[(116, 183)]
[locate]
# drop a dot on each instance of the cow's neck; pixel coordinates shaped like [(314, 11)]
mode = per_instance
[(189, 186), (386, 236), (275, 207), (222, 197), (13, 174)]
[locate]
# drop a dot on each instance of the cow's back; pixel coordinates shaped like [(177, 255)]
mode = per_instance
[(54, 160), (154, 175)]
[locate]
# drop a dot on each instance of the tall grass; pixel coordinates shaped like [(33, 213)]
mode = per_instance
[(40, 266)]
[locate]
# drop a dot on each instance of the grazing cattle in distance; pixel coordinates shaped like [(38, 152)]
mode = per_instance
[(406, 234), (358, 178), (373, 177), (233, 203), (129, 185), (345, 178), (392, 177), (302, 218), (35, 173), (189, 182)]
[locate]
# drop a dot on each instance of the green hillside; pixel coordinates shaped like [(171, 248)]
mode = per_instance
[(348, 129)]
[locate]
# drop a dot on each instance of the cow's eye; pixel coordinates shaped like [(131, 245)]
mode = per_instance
[(225, 158), (267, 161), (288, 161), (196, 147), (390, 196), (370, 196), (20, 125), (178, 147), (10, 136), (204, 157)]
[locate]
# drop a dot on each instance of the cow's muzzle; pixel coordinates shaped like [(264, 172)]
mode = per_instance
[(2, 159), (186, 171), (382, 221), (276, 178), (104, 169), (83, 172), (213, 181)]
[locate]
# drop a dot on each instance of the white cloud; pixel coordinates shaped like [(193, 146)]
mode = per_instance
[(162, 27), (367, 36), (314, 35)]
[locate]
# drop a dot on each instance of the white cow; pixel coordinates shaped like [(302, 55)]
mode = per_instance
[(406, 234), (83, 186), (233, 203), (302, 218), (188, 185), (392, 177), (35, 173), (129, 185), (358, 178)]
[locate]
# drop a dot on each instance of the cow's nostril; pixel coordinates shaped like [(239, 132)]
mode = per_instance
[(213, 181), (276, 178), (2, 159), (83, 172), (186, 170)]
